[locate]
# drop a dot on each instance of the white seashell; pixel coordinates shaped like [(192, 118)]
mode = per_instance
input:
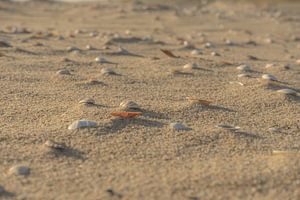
[(269, 77), (178, 127), (107, 71), (244, 68), (129, 105), (19, 170), (191, 66), (227, 127), (63, 72), (54, 145), (243, 75), (196, 52), (128, 32), (87, 101), (214, 53), (270, 65), (100, 60), (269, 41), (82, 124), (287, 92), (71, 49)]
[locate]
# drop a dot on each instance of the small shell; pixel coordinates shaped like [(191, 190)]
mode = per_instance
[(214, 53), (178, 127), (269, 77), (270, 65), (87, 101), (227, 127), (129, 105), (54, 145), (243, 75), (196, 52), (63, 72), (191, 66), (277, 152), (19, 170), (208, 45), (107, 71), (287, 92), (244, 68), (100, 60), (89, 47), (82, 124)]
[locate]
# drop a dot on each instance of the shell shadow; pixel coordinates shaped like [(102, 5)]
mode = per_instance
[(67, 152), (118, 124)]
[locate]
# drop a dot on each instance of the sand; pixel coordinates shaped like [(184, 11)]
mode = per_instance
[(143, 158)]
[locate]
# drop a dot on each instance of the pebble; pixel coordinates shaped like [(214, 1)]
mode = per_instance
[(107, 71), (269, 77), (89, 47), (54, 145), (129, 105), (82, 124), (244, 68), (208, 45), (274, 129), (63, 72), (178, 127), (102, 60), (19, 170), (287, 92), (191, 66)]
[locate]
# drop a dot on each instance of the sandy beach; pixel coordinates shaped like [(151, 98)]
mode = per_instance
[(216, 87)]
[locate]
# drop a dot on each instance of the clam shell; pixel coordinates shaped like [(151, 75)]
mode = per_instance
[(87, 101), (127, 105), (191, 66), (19, 170), (287, 91), (63, 72), (178, 127), (82, 124), (107, 71), (243, 68), (269, 77)]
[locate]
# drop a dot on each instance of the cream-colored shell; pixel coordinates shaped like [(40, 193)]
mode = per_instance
[(129, 105)]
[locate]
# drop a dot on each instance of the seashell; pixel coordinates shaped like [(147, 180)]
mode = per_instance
[(178, 127), (243, 75), (287, 92), (270, 65), (63, 72), (54, 145), (196, 52), (236, 82), (269, 77), (82, 124), (191, 66), (129, 105), (208, 45), (87, 101), (214, 53), (107, 71), (244, 68), (89, 47), (228, 127), (128, 32), (188, 45), (269, 41), (71, 49), (19, 170), (229, 42)]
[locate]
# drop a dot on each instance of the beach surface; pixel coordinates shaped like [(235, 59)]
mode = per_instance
[(244, 145)]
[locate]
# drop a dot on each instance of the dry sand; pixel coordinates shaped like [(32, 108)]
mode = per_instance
[(143, 158)]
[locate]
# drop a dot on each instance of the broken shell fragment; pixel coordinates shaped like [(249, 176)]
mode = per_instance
[(87, 101), (287, 92), (107, 71), (63, 72), (269, 77), (191, 66), (19, 170), (129, 105), (54, 145), (244, 68), (82, 124)]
